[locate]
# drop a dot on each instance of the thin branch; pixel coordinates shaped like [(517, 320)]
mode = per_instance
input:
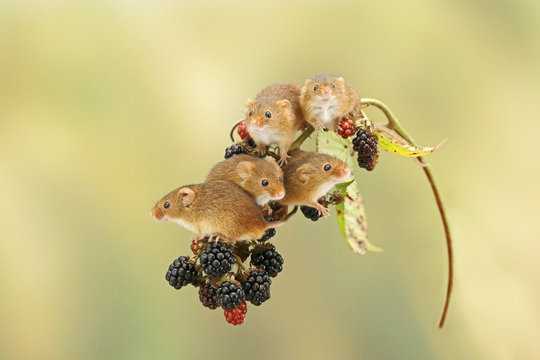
[(234, 127), (303, 136), (395, 125)]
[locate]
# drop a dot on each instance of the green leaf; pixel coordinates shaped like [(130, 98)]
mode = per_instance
[(350, 213), (352, 219), (404, 150)]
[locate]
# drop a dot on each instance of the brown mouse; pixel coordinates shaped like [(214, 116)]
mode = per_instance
[(310, 175), (217, 209), (274, 117), (326, 99), (261, 178)]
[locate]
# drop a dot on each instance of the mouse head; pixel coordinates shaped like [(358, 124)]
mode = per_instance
[(266, 109), (263, 179), (174, 205), (324, 87), (323, 169)]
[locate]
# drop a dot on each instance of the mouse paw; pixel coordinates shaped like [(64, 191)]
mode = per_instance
[(322, 210), (283, 159), (319, 126)]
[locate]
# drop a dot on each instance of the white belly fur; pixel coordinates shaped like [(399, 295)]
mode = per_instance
[(264, 135), (326, 112)]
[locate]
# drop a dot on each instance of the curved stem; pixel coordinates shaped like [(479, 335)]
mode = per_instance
[(234, 127), (303, 136), (394, 124)]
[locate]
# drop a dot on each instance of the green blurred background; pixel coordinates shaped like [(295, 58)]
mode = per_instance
[(106, 106)]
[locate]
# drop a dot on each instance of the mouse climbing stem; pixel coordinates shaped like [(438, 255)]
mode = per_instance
[(395, 126)]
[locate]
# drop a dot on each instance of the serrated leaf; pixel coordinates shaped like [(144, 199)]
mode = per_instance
[(404, 150), (351, 216), (352, 219), (329, 142)]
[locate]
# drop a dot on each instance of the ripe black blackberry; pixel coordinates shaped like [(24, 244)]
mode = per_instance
[(270, 233), (181, 273), (208, 296), (230, 295), (216, 259), (365, 144), (234, 150), (268, 259), (311, 213), (257, 287)]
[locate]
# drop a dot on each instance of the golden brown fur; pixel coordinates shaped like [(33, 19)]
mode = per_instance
[(215, 208), (333, 92), (306, 179), (282, 103), (248, 172)]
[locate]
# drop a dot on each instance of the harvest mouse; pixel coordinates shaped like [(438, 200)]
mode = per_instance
[(325, 99), (217, 208), (261, 178), (310, 175), (274, 117)]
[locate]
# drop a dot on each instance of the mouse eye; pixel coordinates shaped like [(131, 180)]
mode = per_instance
[(166, 205), (268, 114), (334, 86), (316, 87), (327, 167), (280, 180), (250, 113), (265, 182)]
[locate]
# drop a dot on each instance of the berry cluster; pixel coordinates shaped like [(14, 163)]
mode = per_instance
[(311, 213), (345, 128), (365, 143), (220, 285)]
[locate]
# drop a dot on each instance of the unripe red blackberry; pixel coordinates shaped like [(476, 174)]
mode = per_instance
[(345, 128), (242, 131), (311, 213), (365, 144), (230, 295), (216, 259), (181, 273), (257, 287), (237, 315), (266, 258), (208, 296), (197, 246)]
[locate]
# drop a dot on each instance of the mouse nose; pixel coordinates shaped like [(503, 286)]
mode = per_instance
[(327, 90), (280, 195), (157, 213), (346, 172)]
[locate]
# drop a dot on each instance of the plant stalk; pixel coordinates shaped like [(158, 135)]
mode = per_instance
[(394, 124)]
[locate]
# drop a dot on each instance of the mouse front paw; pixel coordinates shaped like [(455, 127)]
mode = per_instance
[(283, 159), (319, 126), (322, 210)]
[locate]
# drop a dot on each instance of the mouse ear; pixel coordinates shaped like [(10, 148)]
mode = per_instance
[(341, 80), (250, 103), (284, 104), (245, 169), (186, 195), (303, 172)]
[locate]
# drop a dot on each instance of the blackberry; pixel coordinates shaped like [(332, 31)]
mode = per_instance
[(234, 150), (365, 143), (257, 287), (267, 259), (311, 213), (217, 259), (237, 315), (230, 295), (251, 143), (181, 273), (208, 297), (270, 233)]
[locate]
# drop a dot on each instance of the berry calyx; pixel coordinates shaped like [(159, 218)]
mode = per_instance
[(237, 315), (365, 143), (208, 297), (181, 273), (197, 245), (345, 128), (216, 259), (230, 295)]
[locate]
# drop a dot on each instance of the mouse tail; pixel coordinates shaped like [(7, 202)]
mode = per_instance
[(274, 224)]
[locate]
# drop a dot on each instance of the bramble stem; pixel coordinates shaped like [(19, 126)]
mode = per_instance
[(394, 124), (303, 136)]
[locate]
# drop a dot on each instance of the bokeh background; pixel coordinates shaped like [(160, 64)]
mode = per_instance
[(105, 106)]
